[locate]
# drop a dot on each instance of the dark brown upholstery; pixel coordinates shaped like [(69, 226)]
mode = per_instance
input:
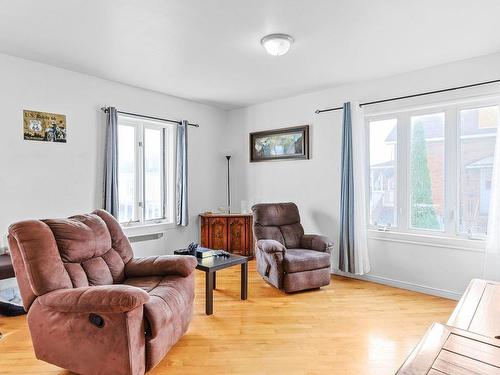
[(298, 260), (69, 269), (286, 257), (6, 268)]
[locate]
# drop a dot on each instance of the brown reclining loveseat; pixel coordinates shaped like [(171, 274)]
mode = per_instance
[(92, 307)]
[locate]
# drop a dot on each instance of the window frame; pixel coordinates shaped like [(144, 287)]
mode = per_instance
[(450, 236), (467, 106), (409, 115), (382, 117), (163, 176), (140, 125)]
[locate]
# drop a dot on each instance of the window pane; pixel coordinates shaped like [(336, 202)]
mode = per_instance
[(427, 172), (126, 173), (478, 128), (383, 146), (153, 173)]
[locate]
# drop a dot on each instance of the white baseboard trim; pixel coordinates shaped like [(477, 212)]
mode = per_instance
[(404, 285)]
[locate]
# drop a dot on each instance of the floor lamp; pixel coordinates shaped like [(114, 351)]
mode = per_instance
[(228, 186)]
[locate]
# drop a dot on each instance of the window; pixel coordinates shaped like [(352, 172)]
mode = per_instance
[(427, 171), (153, 174), (430, 169), (478, 127), (146, 152), (383, 146), (127, 173)]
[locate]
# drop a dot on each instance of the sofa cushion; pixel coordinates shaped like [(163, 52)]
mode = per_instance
[(36, 259), (168, 311), (97, 271), (262, 232), (292, 234), (146, 283), (275, 214), (298, 260), (119, 241), (294, 282), (80, 237), (175, 293), (86, 247)]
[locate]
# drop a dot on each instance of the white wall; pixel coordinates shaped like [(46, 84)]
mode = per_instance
[(40, 180), (314, 184)]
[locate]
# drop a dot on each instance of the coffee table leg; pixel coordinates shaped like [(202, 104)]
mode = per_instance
[(244, 280), (209, 293), (215, 280)]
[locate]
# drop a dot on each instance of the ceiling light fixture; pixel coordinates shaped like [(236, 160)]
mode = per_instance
[(277, 44)]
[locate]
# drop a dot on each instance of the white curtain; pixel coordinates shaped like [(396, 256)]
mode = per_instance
[(492, 255), (360, 173)]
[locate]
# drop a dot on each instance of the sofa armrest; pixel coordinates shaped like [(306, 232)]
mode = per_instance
[(271, 246), (182, 265), (95, 299), (316, 242)]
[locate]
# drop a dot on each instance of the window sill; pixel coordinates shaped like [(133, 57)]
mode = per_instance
[(152, 228), (454, 243)]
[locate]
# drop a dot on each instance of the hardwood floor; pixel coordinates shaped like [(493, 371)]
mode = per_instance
[(349, 327)]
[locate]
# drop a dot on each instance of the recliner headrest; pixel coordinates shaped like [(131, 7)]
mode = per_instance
[(276, 214)]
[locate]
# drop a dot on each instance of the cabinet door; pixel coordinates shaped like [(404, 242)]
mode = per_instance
[(217, 233), (204, 235), (249, 236), (237, 240)]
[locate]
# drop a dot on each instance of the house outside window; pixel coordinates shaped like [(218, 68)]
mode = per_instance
[(430, 169)]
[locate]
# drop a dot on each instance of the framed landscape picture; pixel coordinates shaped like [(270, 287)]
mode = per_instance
[(279, 144)]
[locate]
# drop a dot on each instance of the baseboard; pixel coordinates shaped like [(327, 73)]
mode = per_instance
[(404, 285)]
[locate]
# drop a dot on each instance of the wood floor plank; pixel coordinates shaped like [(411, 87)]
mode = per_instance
[(349, 327)]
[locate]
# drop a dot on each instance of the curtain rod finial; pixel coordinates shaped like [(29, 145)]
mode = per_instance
[(317, 111)]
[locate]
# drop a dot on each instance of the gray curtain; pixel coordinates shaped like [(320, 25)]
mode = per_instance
[(346, 243), (182, 175), (111, 163)]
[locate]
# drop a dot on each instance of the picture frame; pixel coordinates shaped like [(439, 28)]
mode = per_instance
[(44, 126), (280, 144)]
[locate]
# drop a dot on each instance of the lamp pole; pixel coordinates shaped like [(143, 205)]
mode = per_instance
[(228, 186)]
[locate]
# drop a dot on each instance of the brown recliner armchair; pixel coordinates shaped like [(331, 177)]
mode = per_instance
[(286, 257), (92, 307)]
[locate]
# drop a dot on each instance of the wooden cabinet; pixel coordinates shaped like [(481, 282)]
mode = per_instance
[(230, 232)]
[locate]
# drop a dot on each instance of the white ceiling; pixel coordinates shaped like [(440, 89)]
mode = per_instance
[(209, 51)]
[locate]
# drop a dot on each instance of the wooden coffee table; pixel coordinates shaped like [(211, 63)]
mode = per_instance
[(211, 265), (450, 350)]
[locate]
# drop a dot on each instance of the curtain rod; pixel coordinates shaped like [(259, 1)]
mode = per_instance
[(412, 96), (105, 109)]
